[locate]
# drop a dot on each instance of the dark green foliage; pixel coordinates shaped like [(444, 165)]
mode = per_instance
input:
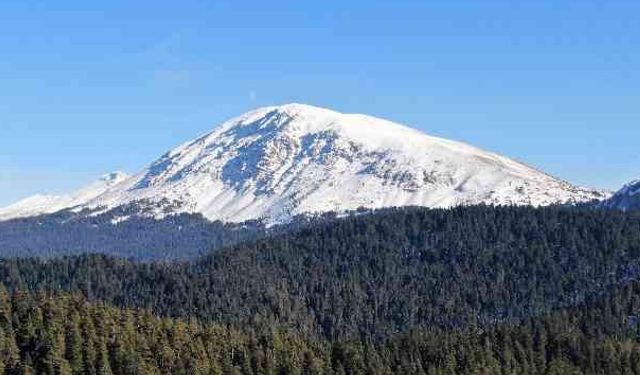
[(63, 334), (474, 290), (373, 275)]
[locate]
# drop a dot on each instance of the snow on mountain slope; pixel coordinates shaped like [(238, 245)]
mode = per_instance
[(627, 198), (276, 162), (43, 204)]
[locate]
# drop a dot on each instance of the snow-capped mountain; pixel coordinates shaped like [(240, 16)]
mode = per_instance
[(627, 198), (276, 162), (44, 203)]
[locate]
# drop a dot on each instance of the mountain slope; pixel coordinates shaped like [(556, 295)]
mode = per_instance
[(277, 162), (45, 203), (627, 198)]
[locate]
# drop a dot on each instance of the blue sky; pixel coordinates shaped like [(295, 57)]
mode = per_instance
[(90, 87)]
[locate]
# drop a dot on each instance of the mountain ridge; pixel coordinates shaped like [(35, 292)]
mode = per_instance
[(40, 204), (274, 163), (627, 198)]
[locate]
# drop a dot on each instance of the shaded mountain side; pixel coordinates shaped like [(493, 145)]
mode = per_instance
[(374, 275), (626, 199), (184, 236)]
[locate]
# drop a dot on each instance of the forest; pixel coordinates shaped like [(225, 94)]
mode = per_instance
[(504, 290), (178, 237), (65, 334)]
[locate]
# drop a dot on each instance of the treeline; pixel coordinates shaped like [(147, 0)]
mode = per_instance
[(119, 232), (370, 277), (65, 334)]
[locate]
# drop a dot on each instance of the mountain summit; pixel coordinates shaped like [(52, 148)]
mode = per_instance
[(276, 162)]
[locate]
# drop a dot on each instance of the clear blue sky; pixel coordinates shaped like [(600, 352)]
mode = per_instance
[(89, 87)]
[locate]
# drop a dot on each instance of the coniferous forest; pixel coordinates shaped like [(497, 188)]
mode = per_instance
[(183, 236), (486, 290)]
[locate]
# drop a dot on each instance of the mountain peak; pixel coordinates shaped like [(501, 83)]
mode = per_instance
[(273, 163), (295, 120), (276, 162), (297, 108), (277, 117)]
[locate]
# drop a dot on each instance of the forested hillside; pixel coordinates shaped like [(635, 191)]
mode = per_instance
[(118, 233), (371, 276), (64, 334)]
